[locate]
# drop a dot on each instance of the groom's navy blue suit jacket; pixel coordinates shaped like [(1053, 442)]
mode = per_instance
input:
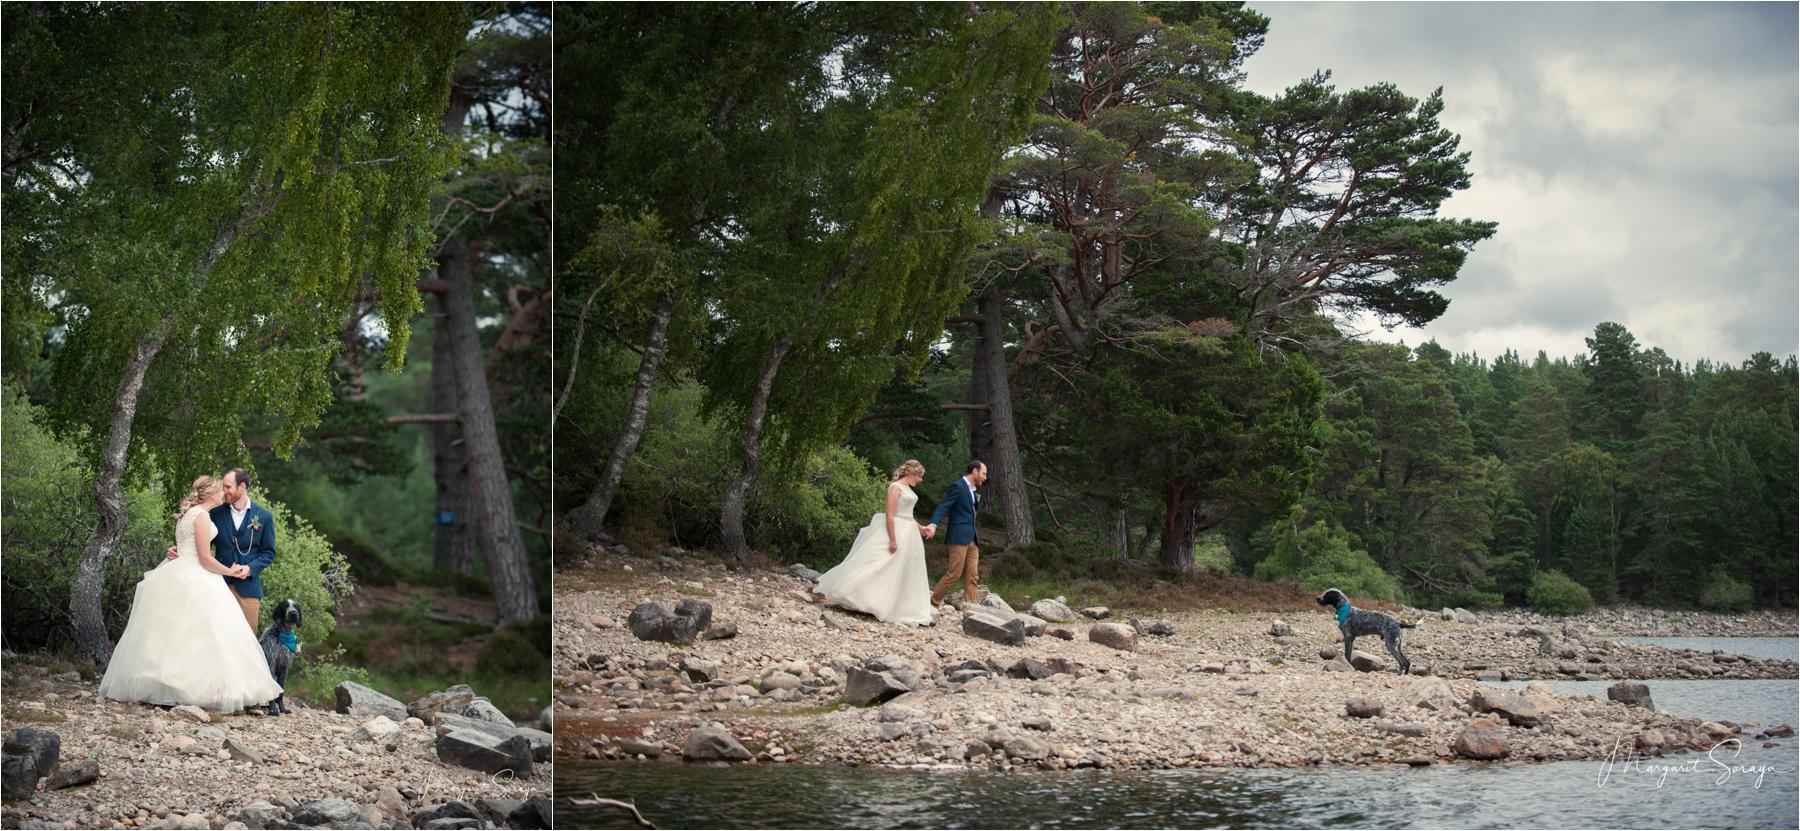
[(257, 546), (959, 505)]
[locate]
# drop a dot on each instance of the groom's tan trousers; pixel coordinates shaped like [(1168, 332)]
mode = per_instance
[(965, 565), (252, 606)]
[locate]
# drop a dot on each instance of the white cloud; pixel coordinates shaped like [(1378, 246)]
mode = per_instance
[(1642, 160)]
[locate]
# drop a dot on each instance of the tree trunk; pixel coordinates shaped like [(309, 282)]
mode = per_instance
[(981, 442), (1004, 465), (588, 519), (1178, 529), (454, 546), (92, 643), (731, 514), (1121, 533), (1149, 540), (496, 523)]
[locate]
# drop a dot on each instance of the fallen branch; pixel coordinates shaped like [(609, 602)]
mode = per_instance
[(596, 801)]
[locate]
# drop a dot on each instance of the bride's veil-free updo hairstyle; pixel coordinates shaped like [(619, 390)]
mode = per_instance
[(910, 468), (203, 490)]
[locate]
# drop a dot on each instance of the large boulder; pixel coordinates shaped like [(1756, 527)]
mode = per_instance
[(478, 750), (450, 700), (357, 700), (697, 612), (1482, 738), (484, 710), (44, 746), (862, 687), (1513, 707), (711, 744), (1633, 693), (534, 813), (1115, 635), (1054, 611), (1034, 626), (988, 625), (653, 622), (18, 776)]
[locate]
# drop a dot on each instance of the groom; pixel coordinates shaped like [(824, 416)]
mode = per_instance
[(245, 543), (959, 505)]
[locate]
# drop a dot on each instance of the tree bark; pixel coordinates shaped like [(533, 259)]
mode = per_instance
[(92, 643), (496, 523), (1004, 466), (453, 547), (589, 519), (981, 443), (1178, 531)]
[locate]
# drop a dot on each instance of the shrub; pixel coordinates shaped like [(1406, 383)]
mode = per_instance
[(1320, 557), (47, 513), (1555, 593), (306, 569), (1725, 594), (1212, 555)]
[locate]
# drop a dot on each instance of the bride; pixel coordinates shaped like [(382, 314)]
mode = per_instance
[(884, 573), (186, 642)]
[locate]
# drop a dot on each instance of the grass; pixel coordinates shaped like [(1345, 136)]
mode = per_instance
[(122, 733), (21, 715)]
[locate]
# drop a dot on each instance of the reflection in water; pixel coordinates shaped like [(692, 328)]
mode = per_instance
[(1511, 795)]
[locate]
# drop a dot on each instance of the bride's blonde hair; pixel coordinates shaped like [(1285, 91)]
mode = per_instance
[(204, 488), (910, 468)]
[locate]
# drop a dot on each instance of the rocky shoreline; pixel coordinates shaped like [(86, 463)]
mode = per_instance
[(450, 760), (773, 676)]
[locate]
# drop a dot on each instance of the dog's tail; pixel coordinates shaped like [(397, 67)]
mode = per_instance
[(1404, 625)]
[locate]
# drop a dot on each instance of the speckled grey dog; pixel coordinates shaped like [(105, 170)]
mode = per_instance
[(1353, 622), (280, 643)]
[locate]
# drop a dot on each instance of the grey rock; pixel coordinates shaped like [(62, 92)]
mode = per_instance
[(379, 730), (328, 811), (18, 776), (1034, 626), (1362, 708), (1515, 708), (1054, 611), (1280, 629), (542, 744), (801, 571), (995, 602), (895, 712), (721, 632), (454, 809), (862, 687), (890, 732), (44, 746), (700, 670), (263, 814), (484, 710), (778, 681), (241, 753), (1466, 616), (1039, 723), (1115, 635), (1414, 730), (546, 720), (73, 774), (975, 749), (1160, 629), (1096, 613), (1028, 668), (497, 810), (648, 750), (1025, 747), (535, 813), (653, 622), (1364, 662), (357, 700), (711, 744), (698, 611), (986, 624), (485, 752), (448, 824), (450, 700), (1633, 693)]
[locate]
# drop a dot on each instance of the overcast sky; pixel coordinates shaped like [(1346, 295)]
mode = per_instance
[(1641, 160)]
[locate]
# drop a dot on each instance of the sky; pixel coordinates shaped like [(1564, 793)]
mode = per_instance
[(1643, 161)]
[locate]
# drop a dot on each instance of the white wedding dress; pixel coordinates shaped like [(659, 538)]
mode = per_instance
[(186, 641), (892, 587)]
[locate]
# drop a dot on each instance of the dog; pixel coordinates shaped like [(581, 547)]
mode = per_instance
[(1353, 622), (280, 643)]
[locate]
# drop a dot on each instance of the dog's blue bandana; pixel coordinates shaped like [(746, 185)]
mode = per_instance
[(1343, 612), (289, 640)]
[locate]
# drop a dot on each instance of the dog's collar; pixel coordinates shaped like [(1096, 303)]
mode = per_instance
[(289, 640), (1343, 611)]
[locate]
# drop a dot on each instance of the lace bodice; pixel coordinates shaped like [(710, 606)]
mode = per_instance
[(184, 534), (907, 500)]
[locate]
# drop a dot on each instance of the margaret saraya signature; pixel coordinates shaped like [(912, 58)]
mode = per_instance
[(1721, 761)]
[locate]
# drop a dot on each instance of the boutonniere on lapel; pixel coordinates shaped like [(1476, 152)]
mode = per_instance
[(255, 525)]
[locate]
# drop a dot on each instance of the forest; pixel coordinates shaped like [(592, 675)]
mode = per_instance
[(308, 240), (799, 244)]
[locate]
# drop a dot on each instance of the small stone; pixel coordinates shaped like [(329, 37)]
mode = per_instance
[(73, 774), (711, 744), (1116, 635), (188, 712), (1280, 629), (1362, 708)]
